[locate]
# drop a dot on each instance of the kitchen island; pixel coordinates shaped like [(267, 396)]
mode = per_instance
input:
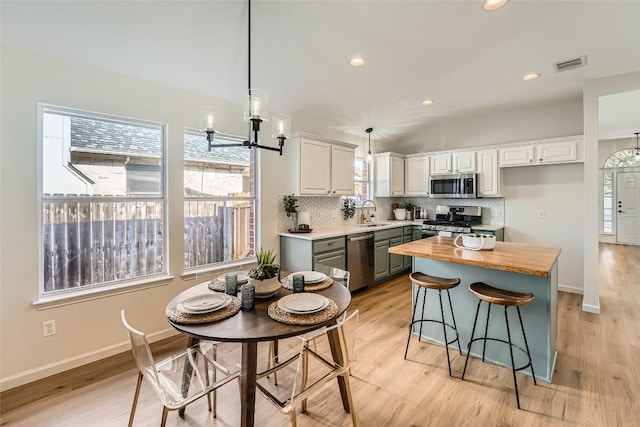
[(512, 266)]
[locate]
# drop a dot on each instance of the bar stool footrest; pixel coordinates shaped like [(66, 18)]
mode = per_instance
[(505, 342), (456, 339)]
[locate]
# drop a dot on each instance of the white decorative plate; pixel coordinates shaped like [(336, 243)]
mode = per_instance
[(205, 303), (303, 303), (311, 276)]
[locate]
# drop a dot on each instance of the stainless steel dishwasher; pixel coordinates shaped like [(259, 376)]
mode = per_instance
[(360, 257)]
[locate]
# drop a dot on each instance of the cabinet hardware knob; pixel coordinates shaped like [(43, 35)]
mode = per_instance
[(530, 160), (540, 160)]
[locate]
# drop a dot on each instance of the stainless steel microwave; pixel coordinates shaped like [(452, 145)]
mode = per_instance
[(456, 186)]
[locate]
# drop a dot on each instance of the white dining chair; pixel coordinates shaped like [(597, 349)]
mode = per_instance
[(181, 378), (305, 371), (339, 276)]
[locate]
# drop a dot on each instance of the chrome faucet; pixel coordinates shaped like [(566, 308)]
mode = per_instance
[(367, 218)]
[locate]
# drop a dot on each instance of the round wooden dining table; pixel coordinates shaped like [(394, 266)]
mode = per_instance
[(253, 326)]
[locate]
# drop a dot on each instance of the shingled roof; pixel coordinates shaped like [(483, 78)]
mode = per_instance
[(102, 136)]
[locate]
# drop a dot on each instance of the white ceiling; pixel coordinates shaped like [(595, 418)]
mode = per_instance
[(453, 52)]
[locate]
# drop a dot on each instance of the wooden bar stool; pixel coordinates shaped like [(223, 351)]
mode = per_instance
[(440, 284), (492, 295)]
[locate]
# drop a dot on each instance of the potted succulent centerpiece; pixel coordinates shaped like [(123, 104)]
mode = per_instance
[(266, 274)]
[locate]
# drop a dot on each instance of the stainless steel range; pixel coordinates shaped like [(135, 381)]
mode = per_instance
[(452, 219)]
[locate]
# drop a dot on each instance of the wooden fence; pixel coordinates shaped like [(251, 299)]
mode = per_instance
[(87, 243)]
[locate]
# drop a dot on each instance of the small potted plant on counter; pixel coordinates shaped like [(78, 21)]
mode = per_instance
[(408, 205), (348, 208), (265, 275), (291, 208)]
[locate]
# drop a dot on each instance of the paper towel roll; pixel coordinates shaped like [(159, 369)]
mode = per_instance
[(304, 218)]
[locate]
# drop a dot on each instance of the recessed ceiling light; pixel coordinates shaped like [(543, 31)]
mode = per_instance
[(494, 4), (427, 102), (356, 62), (531, 76)]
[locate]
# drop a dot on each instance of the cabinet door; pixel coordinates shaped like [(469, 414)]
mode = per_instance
[(488, 173), (417, 233), (315, 167), (407, 259), (381, 262), (464, 162), (416, 176), (335, 259), (397, 176), (556, 152), (516, 156), (342, 170), (396, 261), (440, 164)]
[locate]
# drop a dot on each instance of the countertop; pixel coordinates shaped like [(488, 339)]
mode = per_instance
[(345, 230), (487, 227), (513, 257)]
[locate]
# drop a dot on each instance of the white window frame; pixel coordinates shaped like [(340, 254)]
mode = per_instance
[(92, 290)]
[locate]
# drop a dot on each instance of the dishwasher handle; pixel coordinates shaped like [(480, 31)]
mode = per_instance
[(360, 237)]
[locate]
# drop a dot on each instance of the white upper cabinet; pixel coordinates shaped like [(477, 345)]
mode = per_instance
[(516, 156), (554, 152), (416, 175), (464, 162), (389, 174), (557, 150), (460, 162), (488, 173), (441, 164), (318, 166), (342, 170)]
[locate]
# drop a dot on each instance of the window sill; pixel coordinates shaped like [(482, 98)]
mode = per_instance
[(207, 273), (59, 300)]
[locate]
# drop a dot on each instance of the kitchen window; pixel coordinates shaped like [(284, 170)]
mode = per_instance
[(219, 202), (102, 200), (362, 190)]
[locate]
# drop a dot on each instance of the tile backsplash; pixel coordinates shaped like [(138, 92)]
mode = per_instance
[(327, 211)]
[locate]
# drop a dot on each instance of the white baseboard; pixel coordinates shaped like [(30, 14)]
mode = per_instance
[(44, 371), (590, 308), (570, 289)]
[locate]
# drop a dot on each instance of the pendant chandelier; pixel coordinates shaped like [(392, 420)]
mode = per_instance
[(256, 111), (369, 155)]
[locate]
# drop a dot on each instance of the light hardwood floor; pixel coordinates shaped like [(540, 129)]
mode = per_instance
[(596, 383)]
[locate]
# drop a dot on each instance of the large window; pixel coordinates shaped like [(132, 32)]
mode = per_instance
[(361, 178), (102, 199), (219, 201)]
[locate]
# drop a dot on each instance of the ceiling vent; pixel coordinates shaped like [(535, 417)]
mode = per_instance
[(571, 64)]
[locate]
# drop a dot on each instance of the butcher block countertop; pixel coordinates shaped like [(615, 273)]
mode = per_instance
[(513, 257)]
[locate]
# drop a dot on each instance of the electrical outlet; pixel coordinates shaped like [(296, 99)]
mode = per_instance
[(48, 328)]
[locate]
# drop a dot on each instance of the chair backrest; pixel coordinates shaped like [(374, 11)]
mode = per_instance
[(140, 349), (337, 274)]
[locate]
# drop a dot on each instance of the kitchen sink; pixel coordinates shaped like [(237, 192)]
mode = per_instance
[(372, 225)]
